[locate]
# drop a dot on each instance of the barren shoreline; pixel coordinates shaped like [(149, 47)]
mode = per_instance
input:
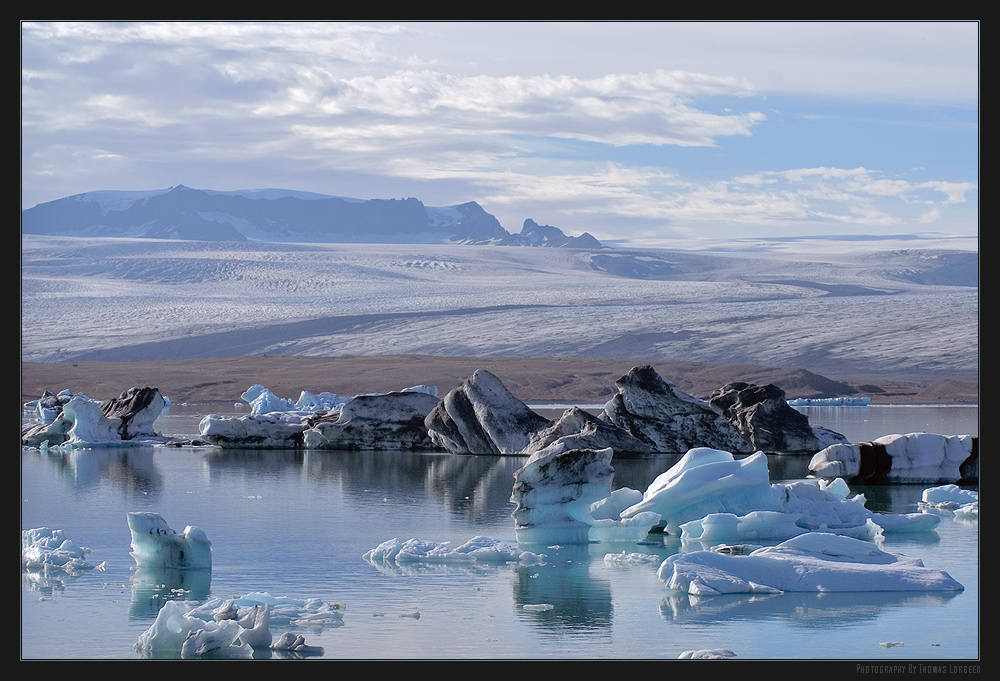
[(564, 380)]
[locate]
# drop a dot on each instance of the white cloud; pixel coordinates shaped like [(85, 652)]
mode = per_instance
[(589, 121)]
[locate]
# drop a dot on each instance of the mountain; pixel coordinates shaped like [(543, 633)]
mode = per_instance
[(280, 215)]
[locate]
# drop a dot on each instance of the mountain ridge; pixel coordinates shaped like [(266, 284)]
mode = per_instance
[(181, 212)]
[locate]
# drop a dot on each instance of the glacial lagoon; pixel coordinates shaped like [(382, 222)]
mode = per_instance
[(297, 523)]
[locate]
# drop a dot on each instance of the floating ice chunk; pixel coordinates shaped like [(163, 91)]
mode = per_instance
[(81, 421), (810, 562), (176, 631), (156, 546), (295, 643), (217, 640), (711, 654), (263, 401), (281, 609), (263, 431), (830, 402), (611, 506), (323, 402), (915, 457), (948, 497), (821, 506), (717, 528), (559, 489), (374, 422), (633, 558), (708, 481), (479, 549), (47, 549)]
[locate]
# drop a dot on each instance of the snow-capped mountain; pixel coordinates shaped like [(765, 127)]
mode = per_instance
[(280, 215)]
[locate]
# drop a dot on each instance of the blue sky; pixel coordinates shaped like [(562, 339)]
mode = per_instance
[(657, 130)]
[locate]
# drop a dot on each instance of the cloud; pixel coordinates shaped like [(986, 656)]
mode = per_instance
[(595, 123)]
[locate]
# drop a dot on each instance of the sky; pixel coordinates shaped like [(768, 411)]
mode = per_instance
[(628, 130)]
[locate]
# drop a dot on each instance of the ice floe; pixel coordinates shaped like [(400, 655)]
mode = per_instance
[(480, 549), (50, 550), (231, 629), (812, 562)]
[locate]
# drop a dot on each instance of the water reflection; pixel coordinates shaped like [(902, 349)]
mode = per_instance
[(152, 588), (580, 600), (813, 610), (129, 468)]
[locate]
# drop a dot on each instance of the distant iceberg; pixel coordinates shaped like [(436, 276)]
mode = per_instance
[(910, 458), (830, 402)]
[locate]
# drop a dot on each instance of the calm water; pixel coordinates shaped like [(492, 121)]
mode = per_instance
[(297, 523)]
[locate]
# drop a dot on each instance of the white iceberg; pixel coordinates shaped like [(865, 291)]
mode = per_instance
[(273, 430), (812, 562), (46, 549), (711, 497), (719, 528), (374, 421), (709, 654), (283, 610), (948, 497), (84, 422), (479, 549), (707, 481), (263, 401), (830, 402), (233, 628), (155, 546), (910, 458), (173, 628)]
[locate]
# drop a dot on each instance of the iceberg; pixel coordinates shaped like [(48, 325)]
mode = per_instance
[(910, 458), (175, 631), (555, 492), (480, 549), (81, 421), (964, 503), (707, 481), (483, 417), (283, 610), (376, 421), (766, 421), (233, 628), (393, 421), (830, 402), (48, 550), (273, 430), (708, 654), (564, 496), (157, 547), (811, 562), (654, 410)]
